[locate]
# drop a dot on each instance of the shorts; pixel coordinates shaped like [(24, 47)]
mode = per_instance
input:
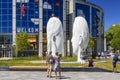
[(56, 67), (114, 64), (83, 61), (50, 66)]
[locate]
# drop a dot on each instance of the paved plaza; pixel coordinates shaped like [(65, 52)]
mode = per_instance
[(41, 75)]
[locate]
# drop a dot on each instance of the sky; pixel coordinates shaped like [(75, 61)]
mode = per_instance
[(111, 10)]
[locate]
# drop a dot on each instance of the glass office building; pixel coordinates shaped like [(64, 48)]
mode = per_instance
[(31, 16), (95, 19), (5, 25)]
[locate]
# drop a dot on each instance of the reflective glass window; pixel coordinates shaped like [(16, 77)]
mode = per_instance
[(4, 17), (9, 11), (4, 30), (4, 24), (9, 30), (10, 23), (9, 5), (4, 1), (4, 5), (4, 11), (10, 17)]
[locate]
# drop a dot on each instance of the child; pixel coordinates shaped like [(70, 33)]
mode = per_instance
[(90, 63)]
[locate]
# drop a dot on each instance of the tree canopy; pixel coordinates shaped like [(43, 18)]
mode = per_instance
[(113, 36), (22, 42)]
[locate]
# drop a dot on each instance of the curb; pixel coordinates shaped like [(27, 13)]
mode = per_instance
[(85, 69), (4, 68), (44, 68), (27, 68)]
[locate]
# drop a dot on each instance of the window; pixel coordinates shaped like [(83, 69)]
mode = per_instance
[(9, 17), (9, 11), (9, 5), (4, 1), (9, 30), (4, 24), (4, 5), (4, 30), (5, 16), (4, 11)]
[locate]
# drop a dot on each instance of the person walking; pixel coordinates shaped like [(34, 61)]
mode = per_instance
[(49, 62), (114, 60), (57, 67), (99, 54), (83, 58)]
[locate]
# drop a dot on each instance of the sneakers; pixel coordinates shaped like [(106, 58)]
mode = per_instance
[(49, 76)]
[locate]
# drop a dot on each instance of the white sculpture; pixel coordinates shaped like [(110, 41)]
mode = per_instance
[(55, 38), (80, 36)]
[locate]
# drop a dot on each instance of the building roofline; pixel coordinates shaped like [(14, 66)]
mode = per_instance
[(94, 5)]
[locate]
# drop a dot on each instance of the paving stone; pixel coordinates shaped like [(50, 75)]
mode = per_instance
[(74, 75)]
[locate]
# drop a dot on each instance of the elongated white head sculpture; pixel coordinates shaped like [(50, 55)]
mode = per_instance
[(55, 38), (80, 36)]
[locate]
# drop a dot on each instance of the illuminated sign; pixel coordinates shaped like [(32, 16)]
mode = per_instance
[(57, 3), (35, 21), (22, 1), (27, 16), (28, 30), (36, 0), (46, 5)]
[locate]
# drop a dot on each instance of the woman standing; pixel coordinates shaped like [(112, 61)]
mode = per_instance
[(57, 67)]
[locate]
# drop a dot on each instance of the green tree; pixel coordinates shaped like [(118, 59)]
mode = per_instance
[(113, 36), (22, 42), (115, 42), (91, 43)]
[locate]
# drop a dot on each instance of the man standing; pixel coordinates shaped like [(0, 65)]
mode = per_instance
[(114, 60)]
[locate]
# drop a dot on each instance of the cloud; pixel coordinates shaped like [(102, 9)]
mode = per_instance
[(46, 5)]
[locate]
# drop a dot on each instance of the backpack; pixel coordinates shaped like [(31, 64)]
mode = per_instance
[(52, 61), (83, 56), (115, 58)]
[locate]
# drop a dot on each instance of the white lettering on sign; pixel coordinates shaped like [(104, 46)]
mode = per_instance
[(35, 21), (22, 1), (28, 30)]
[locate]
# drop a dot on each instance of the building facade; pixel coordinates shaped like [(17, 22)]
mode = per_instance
[(31, 16), (95, 19)]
